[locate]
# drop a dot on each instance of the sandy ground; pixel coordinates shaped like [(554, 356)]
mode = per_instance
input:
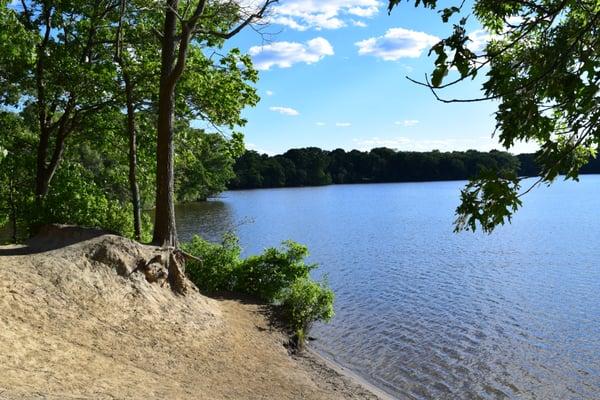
[(73, 327)]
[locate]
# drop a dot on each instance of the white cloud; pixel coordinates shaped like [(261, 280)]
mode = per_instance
[(285, 111), (321, 14), (397, 43), (269, 93), (286, 54), (365, 12), (320, 123), (484, 143), (252, 146), (343, 124), (408, 122), (408, 68), (479, 39), (409, 144), (373, 142), (514, 20), (359, 24)]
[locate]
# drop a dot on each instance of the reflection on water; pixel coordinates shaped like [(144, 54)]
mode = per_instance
[(428, 314), (210, 219)]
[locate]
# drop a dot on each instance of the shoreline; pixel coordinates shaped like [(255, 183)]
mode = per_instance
[(349, 374), (76, 327)]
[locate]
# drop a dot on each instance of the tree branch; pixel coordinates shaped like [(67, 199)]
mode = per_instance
[(245, 23), (433, 89), (27, 14), (186, 35)]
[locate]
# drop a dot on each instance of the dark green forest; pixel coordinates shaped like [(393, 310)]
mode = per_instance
[(313, 166)]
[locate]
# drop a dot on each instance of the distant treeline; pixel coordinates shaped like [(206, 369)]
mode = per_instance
[(313, 166)]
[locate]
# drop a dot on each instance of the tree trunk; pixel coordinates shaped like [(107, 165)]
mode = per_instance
[(165, 232), (46, 169), (135, 190), (41, 183), (13, 209)]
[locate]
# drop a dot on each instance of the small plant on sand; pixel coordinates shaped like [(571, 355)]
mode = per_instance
[(278, 276)]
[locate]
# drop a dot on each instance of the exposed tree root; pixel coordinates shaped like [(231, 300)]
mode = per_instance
[(176, 272), (159, 265)]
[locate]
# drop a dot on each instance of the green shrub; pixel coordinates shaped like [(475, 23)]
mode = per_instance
[(265, 276), (305, 302), (220, 262), (278, 276)]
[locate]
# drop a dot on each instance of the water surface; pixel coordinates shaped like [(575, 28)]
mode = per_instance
[(425, 313)]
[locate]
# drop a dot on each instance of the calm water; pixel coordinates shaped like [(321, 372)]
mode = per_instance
[(425, 313)]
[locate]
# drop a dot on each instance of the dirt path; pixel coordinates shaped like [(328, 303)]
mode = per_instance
[(72, 328)]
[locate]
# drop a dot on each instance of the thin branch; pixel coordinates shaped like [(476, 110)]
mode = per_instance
[(536, 183), (119, 34), (528, 85), (174, 11), (27, 14), (433, 89), (246, 22)]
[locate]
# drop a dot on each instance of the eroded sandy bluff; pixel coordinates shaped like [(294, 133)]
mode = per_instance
[(76, 323)]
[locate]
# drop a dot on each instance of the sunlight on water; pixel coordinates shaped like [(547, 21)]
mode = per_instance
[(425, 313)]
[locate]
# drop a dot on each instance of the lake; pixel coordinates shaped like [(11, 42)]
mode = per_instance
[(425, 313)]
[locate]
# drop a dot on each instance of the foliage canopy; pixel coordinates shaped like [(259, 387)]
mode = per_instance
[(79, 80), (543, 68)]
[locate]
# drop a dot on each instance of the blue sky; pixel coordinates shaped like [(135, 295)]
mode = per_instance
[(333, 75)]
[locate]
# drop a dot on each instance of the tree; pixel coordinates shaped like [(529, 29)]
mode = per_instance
[(135, 51), (204, 163), (92, 70), (16, 178), (53, 62), (248, 171), (313, 167), (543, 67), (183, 22), (339, 166)]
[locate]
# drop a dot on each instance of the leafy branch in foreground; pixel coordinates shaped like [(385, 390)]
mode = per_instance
[(541, 64), (489, 200)]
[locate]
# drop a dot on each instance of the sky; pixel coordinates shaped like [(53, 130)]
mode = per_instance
[(333, 75)]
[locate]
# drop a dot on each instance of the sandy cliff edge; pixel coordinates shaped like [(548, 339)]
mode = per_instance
[(78, 324)]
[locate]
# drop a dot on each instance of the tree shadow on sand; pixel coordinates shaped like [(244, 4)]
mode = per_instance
[(52, 237), (273, 313)]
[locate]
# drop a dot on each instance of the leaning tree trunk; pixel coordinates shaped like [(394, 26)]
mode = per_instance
[(165, 232), (46, 168)]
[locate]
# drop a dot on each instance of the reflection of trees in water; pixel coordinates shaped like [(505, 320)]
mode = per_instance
[(209, 219)]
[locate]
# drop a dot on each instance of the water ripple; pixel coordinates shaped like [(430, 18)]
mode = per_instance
[(428, 314)]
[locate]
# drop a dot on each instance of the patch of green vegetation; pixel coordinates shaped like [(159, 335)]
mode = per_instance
[(278, 276)]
